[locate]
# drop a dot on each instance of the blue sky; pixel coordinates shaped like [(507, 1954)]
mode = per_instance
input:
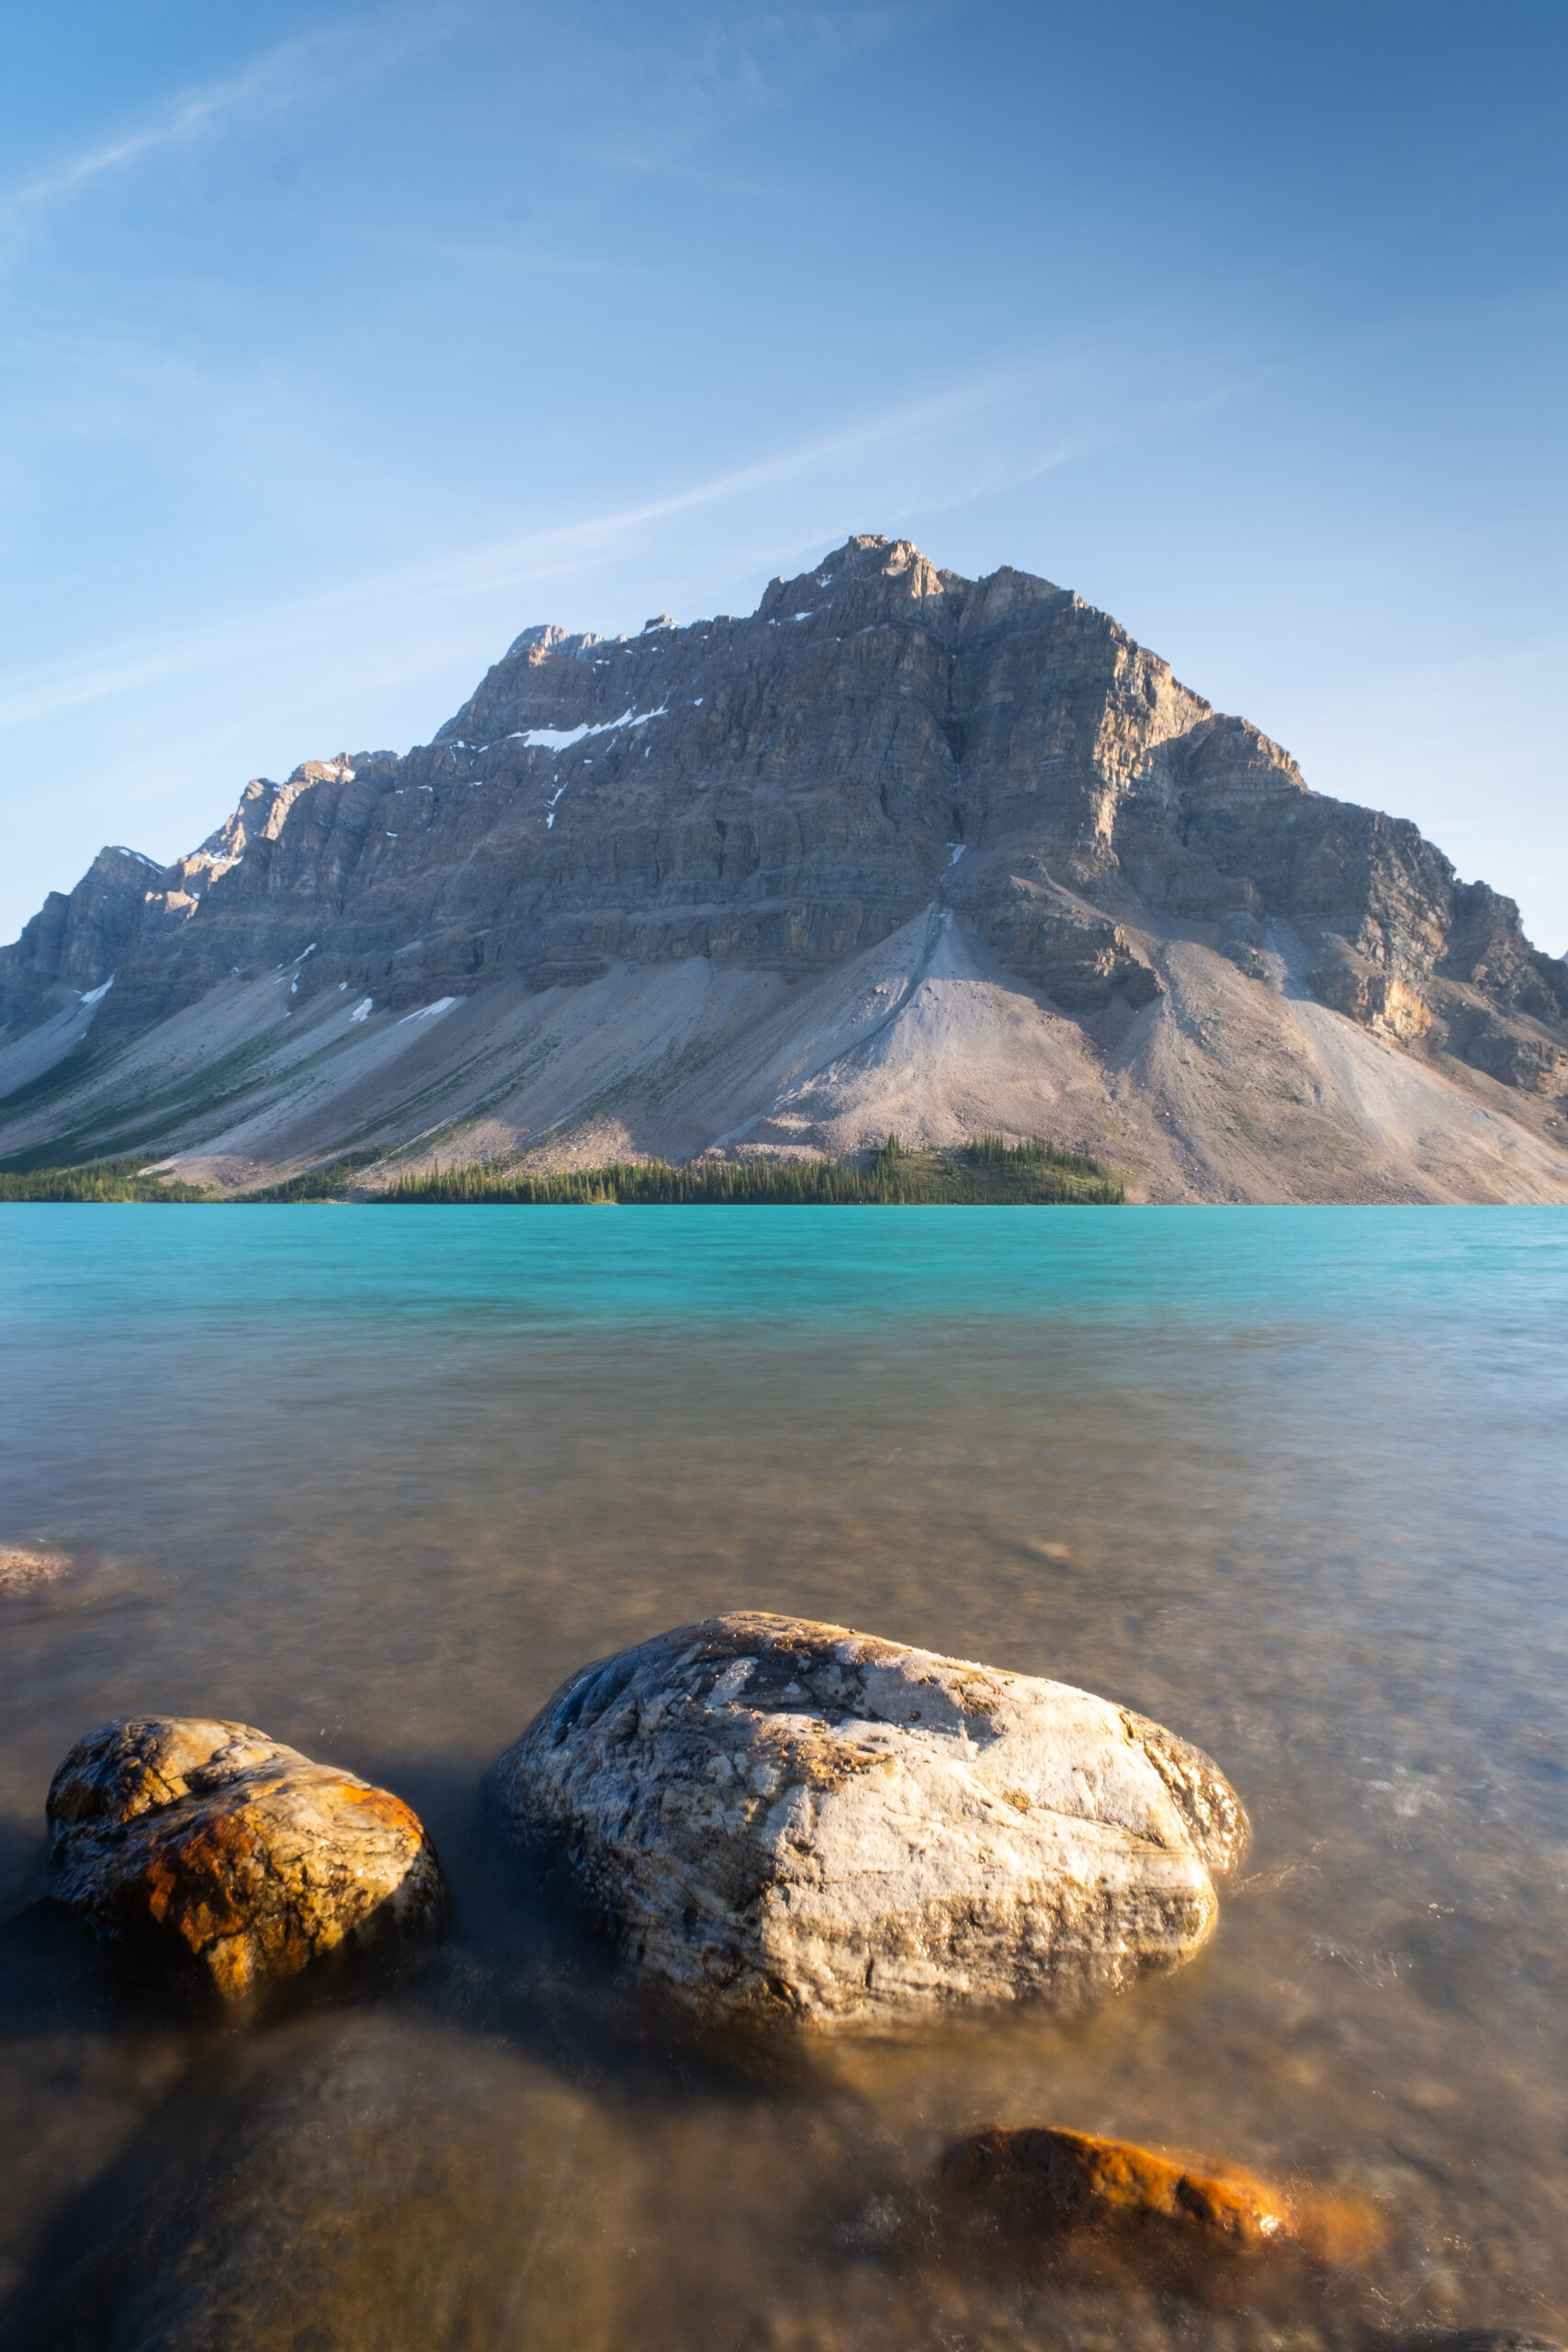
[(340, 344)]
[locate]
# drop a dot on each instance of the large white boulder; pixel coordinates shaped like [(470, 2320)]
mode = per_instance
[(790, 1819)]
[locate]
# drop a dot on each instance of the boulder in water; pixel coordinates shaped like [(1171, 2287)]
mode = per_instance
[(26, 1567), (1050, 2192), (1051, 2177), (230, 1861), (794, 1820)]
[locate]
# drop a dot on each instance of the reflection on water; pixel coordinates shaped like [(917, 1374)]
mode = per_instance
[(1292, 1482)]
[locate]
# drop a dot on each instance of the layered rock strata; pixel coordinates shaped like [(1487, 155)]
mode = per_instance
[(793, 1821), (228, 1861), (774, 799)]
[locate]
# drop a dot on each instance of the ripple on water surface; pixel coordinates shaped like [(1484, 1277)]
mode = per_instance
[(1292, 1482)]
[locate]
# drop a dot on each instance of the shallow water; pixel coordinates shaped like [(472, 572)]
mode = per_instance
[(1292, 1482)]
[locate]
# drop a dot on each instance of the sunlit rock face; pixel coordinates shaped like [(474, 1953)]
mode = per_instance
[(226, 1862), (898, 851), (788, 789), (791, 1821)]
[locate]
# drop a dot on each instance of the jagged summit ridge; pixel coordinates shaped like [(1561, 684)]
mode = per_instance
[(880, 743)]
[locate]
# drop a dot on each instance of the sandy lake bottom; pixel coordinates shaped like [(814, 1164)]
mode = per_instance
[(1292, 1482)]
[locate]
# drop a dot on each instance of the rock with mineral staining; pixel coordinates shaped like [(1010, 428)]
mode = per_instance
[(1045, 2185), (795, 1820), (1055, 2177), (232, 1860)]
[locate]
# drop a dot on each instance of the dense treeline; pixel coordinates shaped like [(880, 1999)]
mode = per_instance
[(991, 1170), (100, 1180)]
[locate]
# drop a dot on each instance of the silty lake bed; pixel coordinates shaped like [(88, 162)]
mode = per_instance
[(1292, 1482)]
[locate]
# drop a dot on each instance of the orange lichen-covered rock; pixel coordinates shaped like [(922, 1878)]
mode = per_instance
[(231, 1859), (1051, 2179), (1070, 2206)]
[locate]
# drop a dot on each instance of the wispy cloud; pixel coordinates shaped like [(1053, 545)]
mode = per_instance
[(525, 559), (281, 77), (561, 550)]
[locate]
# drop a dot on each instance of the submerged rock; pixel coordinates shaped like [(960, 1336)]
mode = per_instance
[(1043, 2175), (1477, 2339), (795, 1820), (1046, 2185), (356, 2180), (230, 1859), (24, 1566)]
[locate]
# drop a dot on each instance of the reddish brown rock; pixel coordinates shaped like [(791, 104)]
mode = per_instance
[(1048, 2185), (1066, 2178), (232, 1861)]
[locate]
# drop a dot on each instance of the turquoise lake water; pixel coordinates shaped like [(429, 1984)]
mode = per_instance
[(1295, 1482)]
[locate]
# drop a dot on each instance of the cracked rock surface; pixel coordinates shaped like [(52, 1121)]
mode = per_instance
[(794, 1820), (229, 1858)]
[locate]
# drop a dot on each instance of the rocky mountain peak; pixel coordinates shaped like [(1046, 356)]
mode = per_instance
[(546, 637), (767, 799)]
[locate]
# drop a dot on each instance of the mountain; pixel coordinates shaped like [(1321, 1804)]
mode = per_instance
[(897, 851)]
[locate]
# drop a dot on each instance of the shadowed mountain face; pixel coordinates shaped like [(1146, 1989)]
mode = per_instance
[(900, 848)]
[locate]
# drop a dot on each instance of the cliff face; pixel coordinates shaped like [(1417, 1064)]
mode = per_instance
[(75, 943), (781, 793)]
